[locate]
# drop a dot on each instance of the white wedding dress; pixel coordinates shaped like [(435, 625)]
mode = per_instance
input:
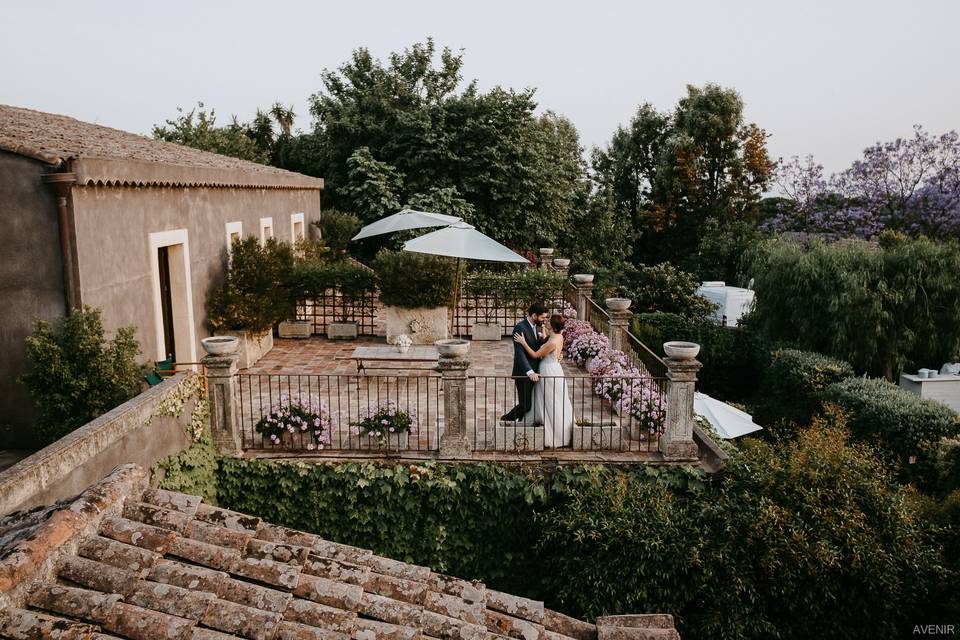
[(551, 405)]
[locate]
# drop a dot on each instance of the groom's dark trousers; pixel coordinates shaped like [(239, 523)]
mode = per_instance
[(521, 364)]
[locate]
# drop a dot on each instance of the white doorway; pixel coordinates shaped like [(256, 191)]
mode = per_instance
[(172, 296)]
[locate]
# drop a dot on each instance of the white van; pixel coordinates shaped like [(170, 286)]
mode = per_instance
[(731, 303)]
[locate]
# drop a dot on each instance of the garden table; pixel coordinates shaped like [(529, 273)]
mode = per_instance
[(414, 357)]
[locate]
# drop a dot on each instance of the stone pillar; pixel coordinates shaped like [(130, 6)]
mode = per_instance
[(584, 292), (221, 389), (619, 325), (546, 254), (561, 265), (677, 439), (455, 442)]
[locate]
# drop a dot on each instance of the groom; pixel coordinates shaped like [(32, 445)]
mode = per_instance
[(524, 367)]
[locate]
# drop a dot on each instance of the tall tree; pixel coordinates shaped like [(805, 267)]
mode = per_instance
[(670, 172)]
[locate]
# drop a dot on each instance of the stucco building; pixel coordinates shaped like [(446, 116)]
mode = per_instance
[(137, 227)]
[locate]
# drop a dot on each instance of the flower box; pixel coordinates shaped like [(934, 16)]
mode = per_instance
[(517, 437), (486, 331), (251, 346), (342, 330), (598, 437), (298, 329)]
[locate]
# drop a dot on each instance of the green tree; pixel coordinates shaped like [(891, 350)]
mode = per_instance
[(198, 128), (78, 374), (670, 172), (372, 186)]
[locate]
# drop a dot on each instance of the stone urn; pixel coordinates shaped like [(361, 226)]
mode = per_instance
[(220, 345), (561, 263), (546, 251), (618, 304), (679, 350), (583, 278), (452, 348)]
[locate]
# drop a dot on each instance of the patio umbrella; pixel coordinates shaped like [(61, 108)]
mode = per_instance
[(461, 241), (404, 220), (729, 421)]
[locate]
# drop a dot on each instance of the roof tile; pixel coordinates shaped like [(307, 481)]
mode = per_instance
[(118, 554), (137, 623), (188, 577), (254, 595), (295, 631), (203, 554), (222, 536), (226, 518), (98, 576), (171, 599), (511, 627), (172, 500), (336, 570), (279, 574), (85, 604), (397, 588), (238, 619), (390, 610), (329, 592), (22, 624), (319, 615), (157, 516), (441, 626), (278, 551), (364, 629), (137, 534)]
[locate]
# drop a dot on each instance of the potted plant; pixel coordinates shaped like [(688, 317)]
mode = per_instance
[(416, 291), (292, 424), (252, 297), (387, 426), (403, 343)]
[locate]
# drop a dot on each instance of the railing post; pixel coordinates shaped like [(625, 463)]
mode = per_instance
[(454, 443), (583, 283), (677, 439), (221, 389), (546, 253), (620, 315)]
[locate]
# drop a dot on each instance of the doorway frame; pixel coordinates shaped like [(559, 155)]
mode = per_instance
[(166, 239)]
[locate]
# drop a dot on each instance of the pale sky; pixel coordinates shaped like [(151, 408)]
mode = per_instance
[(826, 78)]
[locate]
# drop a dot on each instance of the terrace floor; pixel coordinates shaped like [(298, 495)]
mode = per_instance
[(322, 369)]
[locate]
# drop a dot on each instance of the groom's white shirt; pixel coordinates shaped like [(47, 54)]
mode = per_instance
[(536, 333)]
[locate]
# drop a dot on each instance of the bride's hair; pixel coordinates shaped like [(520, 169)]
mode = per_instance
[(556, 322)]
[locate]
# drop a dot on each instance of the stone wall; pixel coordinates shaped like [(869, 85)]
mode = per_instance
[(70, 465)]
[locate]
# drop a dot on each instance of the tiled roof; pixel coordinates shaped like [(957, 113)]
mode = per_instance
[(124, 561), (107, 155)]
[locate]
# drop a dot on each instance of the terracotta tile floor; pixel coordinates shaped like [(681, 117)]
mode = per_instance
[(318, 369)]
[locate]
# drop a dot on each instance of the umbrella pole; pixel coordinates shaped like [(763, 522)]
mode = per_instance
[(456, 297)]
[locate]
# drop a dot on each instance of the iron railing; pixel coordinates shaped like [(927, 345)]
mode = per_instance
[(595, 418), (506, 308), (344, 400), (643, 357), (597, 317), (332, 306)]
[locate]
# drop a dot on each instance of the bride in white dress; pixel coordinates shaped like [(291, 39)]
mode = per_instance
[(551, 401)]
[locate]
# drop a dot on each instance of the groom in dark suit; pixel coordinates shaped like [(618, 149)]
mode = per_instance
[(525, 368)]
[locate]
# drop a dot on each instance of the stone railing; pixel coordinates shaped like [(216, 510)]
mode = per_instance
[(127, 433)]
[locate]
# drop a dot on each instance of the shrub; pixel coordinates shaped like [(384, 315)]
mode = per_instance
[(76, 373), (515, 289), (254, 293), (385, 420), (412, 280), (337, 228), (880, 308), (290, 417), (897, 420), (661, 287), (734, 358), (312, 279), (794, 383)]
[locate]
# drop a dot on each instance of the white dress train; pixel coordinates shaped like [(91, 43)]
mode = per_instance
[(551, 405)]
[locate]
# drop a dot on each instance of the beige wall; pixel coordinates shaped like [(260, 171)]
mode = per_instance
[(114, 253)]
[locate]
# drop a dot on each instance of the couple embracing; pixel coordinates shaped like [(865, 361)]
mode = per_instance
[(542, 396)]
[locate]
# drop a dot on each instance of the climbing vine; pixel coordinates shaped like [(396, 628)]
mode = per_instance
[(192, 387)]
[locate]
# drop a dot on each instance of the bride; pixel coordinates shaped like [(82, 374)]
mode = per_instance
[(551, 402)]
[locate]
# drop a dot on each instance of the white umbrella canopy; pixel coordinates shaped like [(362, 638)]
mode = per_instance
[(729, 421), (403, 221), (461, 240)]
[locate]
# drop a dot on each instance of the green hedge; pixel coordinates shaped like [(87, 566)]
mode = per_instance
[(311, 278), (413, 280), (337, 228), (794, 382), (811, 539), (897, 420), (516, 288), (734, 358)]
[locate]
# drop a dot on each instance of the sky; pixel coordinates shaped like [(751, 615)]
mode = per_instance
[(823, 78)]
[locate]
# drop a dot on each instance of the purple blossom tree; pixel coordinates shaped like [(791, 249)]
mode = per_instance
[(910, 185)]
